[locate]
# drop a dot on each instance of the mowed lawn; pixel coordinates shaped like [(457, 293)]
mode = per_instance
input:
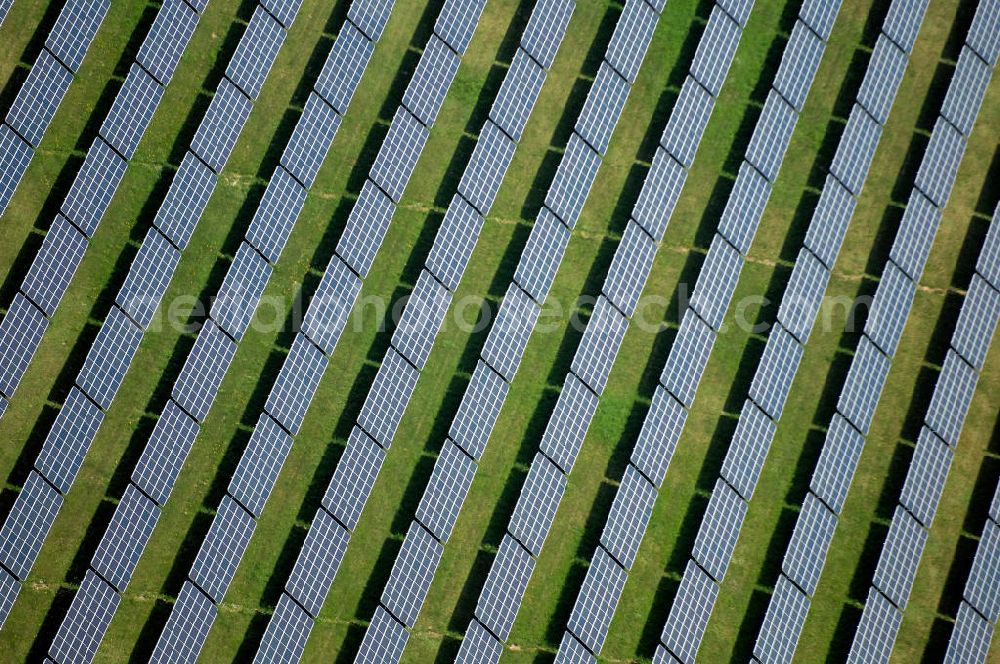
[(469, 553)]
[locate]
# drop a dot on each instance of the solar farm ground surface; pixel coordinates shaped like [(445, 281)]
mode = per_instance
[(653, 581)]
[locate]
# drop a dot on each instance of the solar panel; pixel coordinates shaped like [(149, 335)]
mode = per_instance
[(234, 306), (86, 622), (198, 383), (536, 507), (809, 544), (628, 517), (487, 168), (132, 111), (970, 638), (370, 16), (216, 136), (799, 63), (834, 470), (885, 71), (478, 412), (366, 226), (109, 358), (719, 531), (318, 562), (20, 334), (164, 45), (629, 269), (595, 605), (53, 268), (431, 79), (411, 574), (384, 641), (988, 264), (716, 282), (689, 614), (424, 313), (952, 396), (328, 311), (748, 449), (926, 477), (504, 588), (916, 233), (74, 30), (744, 208), (659, 194), (977, 321), (631, 38), (995, 506), (9, 589), (966, 91), (296, 384), (984, 33), (829, 222), (982, 590), (255, 53), (479, 646), (940, 162), (688, 120), (803, 295), (820, 16), (572, 181), (68, 440), (446, 490), (457, 22), (902, 23), (602, 108), (344, 67), (310, 140), (540, 259), (889, 309), (187, 628), (876, 633), (15, 155), (164, 454), (688, 357), (286, 635), (148, 278), (186, 199), (222, 549), (897, 566), (353, 479), (27, 524), (94, 186), (454, 243), (786, 614), (568, 423), (658, 438), (399, 154), (856, 150), (739, 10), (510, 332), (38, 99), (546, 28), (771, 136), (661, 655), (388, 398), (283, 10), (253, 480), (517, 95), (125, 538), (595, 356), (276, 215), (861, 391), (715, 51)]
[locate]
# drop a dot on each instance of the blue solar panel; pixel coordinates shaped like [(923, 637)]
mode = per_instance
[(628, 517), (518, 93), (689, 614), (370, 16), (926, 476), (186, 199), (345, 65), (479, 646), (902, 22), (164, 45), (74, 30), (431, 80), (384, 641), (546, 28), (68, 440), (399, 153), (798, 65), (631, 38), (829, 223), (198, 383), (744, 208), (659, 194), (258, 469), (966, 91), (598, 349), (885, 71), (164, 454), (536, 507), (688, 358), (86, 622), (546, 246), (571, 185), (982, 590), (568, 423), (255, 53), (716, 282), (55, 265), (39, 98), (984, 33), (658, 438), (771, 136), (952, 397), (125, 539), (132, 111), (96, 183), (856, 150), (220, 128), (487, 167), (916, 233), (15, 155), (939, 166), (505, 584), (595, 605), (455, 242), (311, 140), (331, 306), (715, 51), (446, 490), (286, 635), (366, 226), (629, 268), (889, 309), (835, 469), (739, 10), (296, 383), (27, 525), (970, 638), (479, 410), (783, 622), (863, 385), (109, 358), (457, 22), (511, 330), (901, 552), (803, 296), (353, 479), (820, 16), (977, 322), (388, 398), (422, 317), (236, 302), (720, 530), (148, 278), (748, 449), (809, 545), (283, 10), (20, 334), (318, 562), (220, 553), (187, 628), (276, 215), (687, 123), (876, 633), (411, 574)]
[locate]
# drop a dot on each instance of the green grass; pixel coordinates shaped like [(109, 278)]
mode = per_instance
[(578, 524)]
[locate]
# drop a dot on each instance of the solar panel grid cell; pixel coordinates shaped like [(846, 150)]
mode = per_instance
[(86, 622), (487, 167), (952, 397), (276, 214), (889, 309), (882, 78), (901, 551), (632, 35), (688, 358), (744, 208), (353, 478), (431, 79), (164, 45), (659, 194), (165, 452), (424, 313), (132, 111), (95, 185), (446, 490), (688, 119), (454, 243), (628, 517), (545, 29), (568, 423), (55, 265), (596, 603), (595, 356), (478, 411), (748, 449), (783, 622), (856, 150), (310, 141), (518, 94), (803, 295), (388, 398), (689, 614), (719, 531), (505, 584), (511, 330), (771, 136), (799, 63), (187, 628), (540, 259), (109, 358), (916, 233), (236, 302), (366, 226), (716, 282), (829, 222), (863, 386), (125, 539), (318, 562), (658, 437), (75, 29), (38, 98), (27, 524), (185, 201), (715, 51), (198, 383), (344, 67), (68, 440), (926, 477), (252, 481), (837, 461), (807, 549), (21, 332), (296, 384)]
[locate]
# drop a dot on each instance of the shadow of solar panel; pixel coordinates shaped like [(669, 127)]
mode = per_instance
[(540, 259), (916, 233), (536, 507), (286, 635), (109, 358), (166, 40), (982, 590), (478, 646), (15, 155), (20, 334), (344, 67), (876, 633), (239, 294), (595, 356), (74, 30), (715, 51), (27, 524), (510, 332), (970, 638), (478, 412), (748, 449), (487, 167), (688, 356), (783, 622), (132, 111), (778, 365), (446, 490), (399, 153), (187, 628), (431, 79), (966, 91), (856, 150), (889, 309), (86, 622), (688, 119), (222, 549), (384, 640), (165, 452), (659, 194), (926, 477), (595, 605), (388, 398), (148, 278), (185, 201), (258, 469), (546, 28), (837, 462), (504, 588), (331, 305), (311, 140), (902, 22), (897, 566), (820, 16), (631, 38), (952, 396), (411, 574), (771, 136), (198, 383), (630, 268), (366, 227), (863, 386), (276, 215), (318, 563), (220, 128), (810, 542), (799, 63), (94, 187), (882, 78), (9, 589), (68, 440), (422, 317), (568, 424), (296, 384), (658, 438), (55, 265), (255, 53), (717, 281), (603, 107), (518, 94), (829, 222), (454, 243), (353, 478), (803, 295), (939, 166), (572, 181), (976, 322), (39, 97), (689, 614), (629, 515), (719, 531), (984, 33), (125, 539), (744, 208)]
